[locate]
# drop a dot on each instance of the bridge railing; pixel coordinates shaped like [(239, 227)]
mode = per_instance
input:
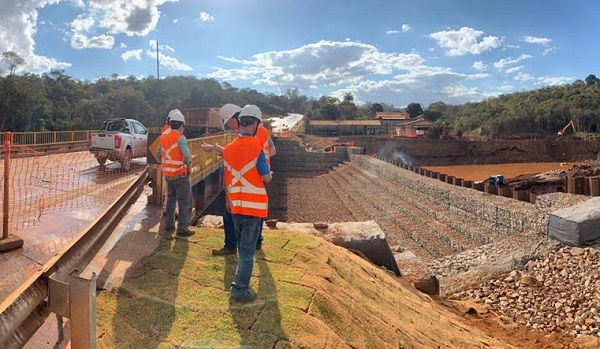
[(46, 137)]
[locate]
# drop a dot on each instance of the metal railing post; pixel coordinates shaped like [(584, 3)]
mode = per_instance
[(6, 242), (83, 312), (6, 198)]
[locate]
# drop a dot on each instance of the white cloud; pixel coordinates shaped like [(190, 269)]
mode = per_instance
[(404, 28), (548, 50), (127, 17), (165, 59), (465, 41), (322, 63), (513, 69), (370, 74), (544, 80), (535, 40), (523, 77), (82, 24), (131, 54), (80, 41), (509, 61), (550, 80), (479, 65), (206, 17), (19, 24), (39, 64)]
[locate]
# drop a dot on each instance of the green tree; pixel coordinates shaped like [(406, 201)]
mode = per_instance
[(591, 80), (414, 109), (348, 110), (331, 111), (13, 60)]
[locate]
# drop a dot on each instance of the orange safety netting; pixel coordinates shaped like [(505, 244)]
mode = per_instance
[(68, 186)]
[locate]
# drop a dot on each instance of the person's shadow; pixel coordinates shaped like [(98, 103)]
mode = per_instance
[(267, 319), (158, 278)]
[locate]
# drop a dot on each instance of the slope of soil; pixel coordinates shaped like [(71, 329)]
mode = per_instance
[(310, 294)]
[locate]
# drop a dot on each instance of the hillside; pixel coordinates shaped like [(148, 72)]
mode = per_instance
[(311, 294)]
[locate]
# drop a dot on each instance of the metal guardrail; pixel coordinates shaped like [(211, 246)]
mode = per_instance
[(46, 137)]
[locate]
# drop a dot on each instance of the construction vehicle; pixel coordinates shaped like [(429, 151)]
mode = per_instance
[(202, 121), (496, 180), (561, 133)]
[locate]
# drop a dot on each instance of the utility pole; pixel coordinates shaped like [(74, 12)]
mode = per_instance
[(157, 80)]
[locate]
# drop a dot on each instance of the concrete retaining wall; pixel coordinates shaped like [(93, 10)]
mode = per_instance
[(293, 157)]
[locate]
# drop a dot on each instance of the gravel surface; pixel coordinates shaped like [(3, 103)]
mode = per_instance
[(557, 292), (300, 197)]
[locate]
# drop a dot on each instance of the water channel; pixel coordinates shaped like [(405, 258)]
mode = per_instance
[(482, 172)]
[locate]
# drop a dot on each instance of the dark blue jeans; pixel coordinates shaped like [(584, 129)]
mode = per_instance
[(179, 192), (230, 239), (247, 229)]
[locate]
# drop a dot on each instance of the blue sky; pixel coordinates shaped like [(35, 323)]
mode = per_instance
[(396, 52)]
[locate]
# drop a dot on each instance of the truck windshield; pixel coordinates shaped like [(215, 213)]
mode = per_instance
[(116, 126)]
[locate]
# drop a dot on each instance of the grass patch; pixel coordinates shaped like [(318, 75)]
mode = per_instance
[(310, 294)]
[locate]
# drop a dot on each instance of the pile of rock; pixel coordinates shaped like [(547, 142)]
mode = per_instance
[(558, 292)]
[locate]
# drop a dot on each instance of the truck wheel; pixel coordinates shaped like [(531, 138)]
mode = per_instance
[(101, 160), (126, 162)]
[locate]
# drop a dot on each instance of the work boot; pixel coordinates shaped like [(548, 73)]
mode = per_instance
[(223, 251), (250, 296), (185, 233)]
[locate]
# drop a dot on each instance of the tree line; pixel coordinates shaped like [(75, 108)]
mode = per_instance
[(55, 101)]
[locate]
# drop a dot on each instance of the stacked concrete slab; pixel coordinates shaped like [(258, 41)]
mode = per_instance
[(576, 225)]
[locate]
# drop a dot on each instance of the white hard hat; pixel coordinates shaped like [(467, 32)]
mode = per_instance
[(228, 111), (175, 115), (251, 110)]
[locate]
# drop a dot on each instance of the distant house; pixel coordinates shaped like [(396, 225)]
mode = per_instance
[(343, 127), (389, 120), (417, 127), (388, 123), (391, 115)]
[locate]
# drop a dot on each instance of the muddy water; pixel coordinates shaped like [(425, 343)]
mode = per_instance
[(482, 172)]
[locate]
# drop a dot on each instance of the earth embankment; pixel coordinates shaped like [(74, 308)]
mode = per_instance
[(425, 152)]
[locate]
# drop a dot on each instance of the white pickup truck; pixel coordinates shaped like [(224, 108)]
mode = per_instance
[(119, 140)]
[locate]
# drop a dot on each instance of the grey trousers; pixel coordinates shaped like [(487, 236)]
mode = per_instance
[(179, 192)]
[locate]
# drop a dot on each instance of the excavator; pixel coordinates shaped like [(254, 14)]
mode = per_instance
[(561, 133)]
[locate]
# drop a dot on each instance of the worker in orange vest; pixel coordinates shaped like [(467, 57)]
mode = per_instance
[(174, 155), (229, 116), (246, 172)]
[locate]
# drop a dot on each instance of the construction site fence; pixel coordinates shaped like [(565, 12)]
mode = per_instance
[(38, 178), (37, 184)]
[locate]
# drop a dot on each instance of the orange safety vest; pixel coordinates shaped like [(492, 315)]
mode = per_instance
[(244, 186), (165, 128), (172, 158), (263, 136)]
